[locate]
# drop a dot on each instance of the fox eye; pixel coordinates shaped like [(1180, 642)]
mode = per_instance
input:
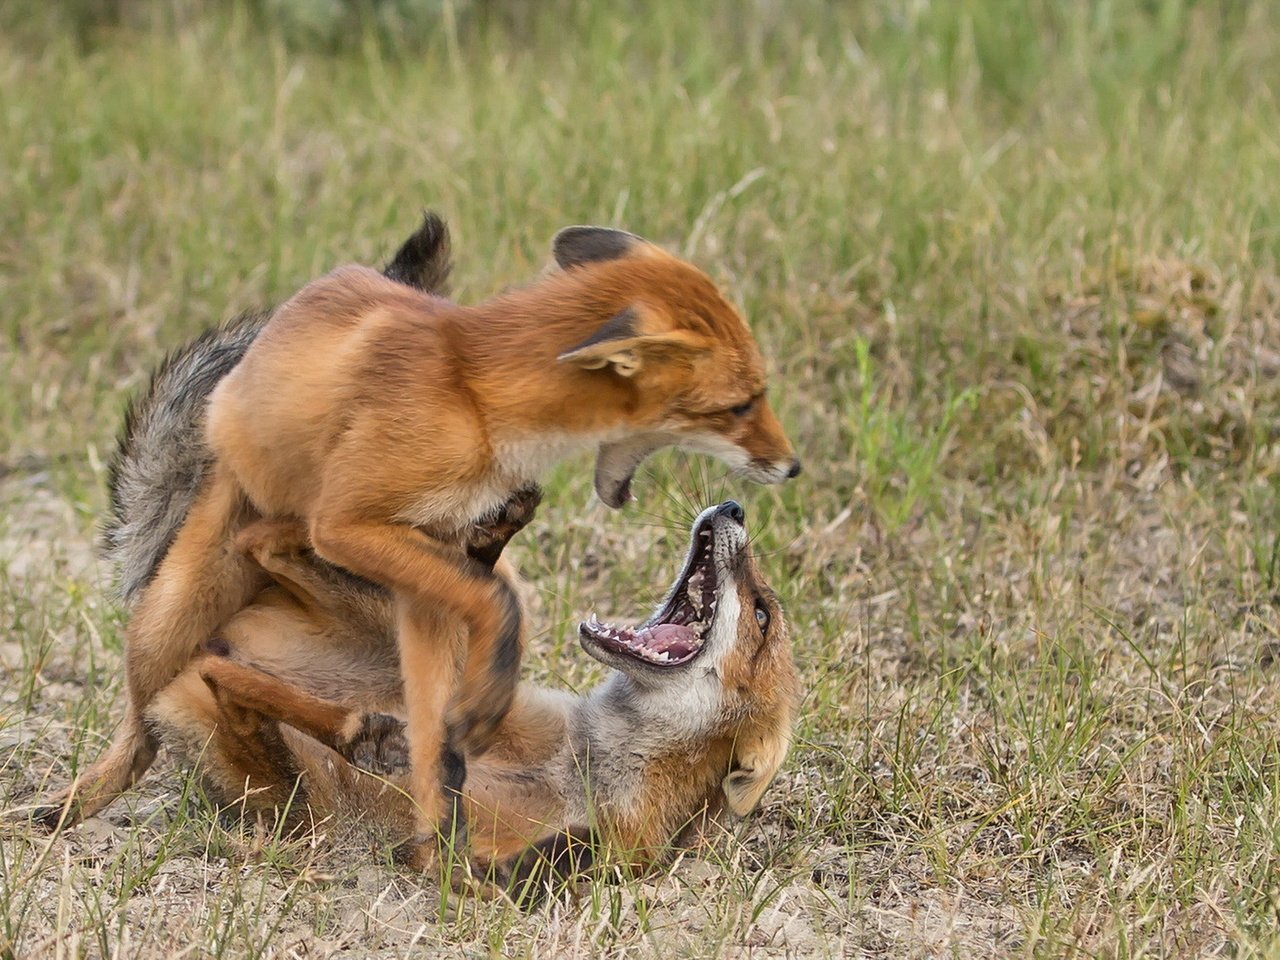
[(762, 617), (742, 409)]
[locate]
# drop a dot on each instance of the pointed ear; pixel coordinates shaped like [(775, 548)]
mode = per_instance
[(620, 343), (756, 761), (574, 246), (614, 344)]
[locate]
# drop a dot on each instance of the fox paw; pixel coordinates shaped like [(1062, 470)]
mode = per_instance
[(442, 851), (419, 854), (378, 745), (488, 537), (52, 817)]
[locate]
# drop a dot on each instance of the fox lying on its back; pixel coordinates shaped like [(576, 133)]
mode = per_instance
[(696, 714), (327, 418)]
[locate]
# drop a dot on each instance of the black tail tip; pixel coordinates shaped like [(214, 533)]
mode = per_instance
[(423, 260)]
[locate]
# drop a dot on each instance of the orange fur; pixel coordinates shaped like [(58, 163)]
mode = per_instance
[(387, 420)]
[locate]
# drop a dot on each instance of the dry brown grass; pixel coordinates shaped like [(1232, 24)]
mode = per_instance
[(1016, 270)]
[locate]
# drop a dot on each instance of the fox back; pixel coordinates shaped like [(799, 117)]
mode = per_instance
[(161, 457), (441, 410)]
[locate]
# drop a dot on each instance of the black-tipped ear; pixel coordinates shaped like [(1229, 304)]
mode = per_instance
[(620, 344), (423, 261), (621, 326), (574, 246), (613, 344)]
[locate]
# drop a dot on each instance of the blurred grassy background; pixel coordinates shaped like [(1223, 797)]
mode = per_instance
[(1014, 268)]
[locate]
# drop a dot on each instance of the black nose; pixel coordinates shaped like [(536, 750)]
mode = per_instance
[(794, 471), (733, 510)]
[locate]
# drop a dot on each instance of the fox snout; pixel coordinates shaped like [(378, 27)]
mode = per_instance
[(770, 456), (749, 439), (772, 472)]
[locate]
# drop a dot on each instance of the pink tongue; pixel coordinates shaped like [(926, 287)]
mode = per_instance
[(670, 637)]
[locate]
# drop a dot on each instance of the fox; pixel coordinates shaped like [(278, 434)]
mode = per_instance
[(159, 466), (388, 421), (299, 706)]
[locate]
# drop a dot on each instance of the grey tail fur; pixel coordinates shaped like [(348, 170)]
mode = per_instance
[(161, 457)]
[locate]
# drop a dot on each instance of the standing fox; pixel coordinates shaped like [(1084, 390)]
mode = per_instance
[(389, 421)]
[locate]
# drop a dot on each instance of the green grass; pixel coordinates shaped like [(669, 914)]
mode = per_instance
[(1014, 266)]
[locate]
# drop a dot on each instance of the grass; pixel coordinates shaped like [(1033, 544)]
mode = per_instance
[(1015, 269)]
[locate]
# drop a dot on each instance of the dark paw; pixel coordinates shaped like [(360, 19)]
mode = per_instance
[(520, 509), (419, 853), (52, 817), (378, 746), (487, 538), (426, 852), (549, 867)]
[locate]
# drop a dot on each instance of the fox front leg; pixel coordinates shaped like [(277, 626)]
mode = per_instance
[(436, 585)]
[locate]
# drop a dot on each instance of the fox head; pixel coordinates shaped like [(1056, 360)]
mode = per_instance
[(715, 659), (692, 371)]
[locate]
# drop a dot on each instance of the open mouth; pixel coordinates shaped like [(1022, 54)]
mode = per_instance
[(616, 464), (677, 632)]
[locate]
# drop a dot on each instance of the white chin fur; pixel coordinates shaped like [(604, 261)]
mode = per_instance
[(773, 473), (694, 695), (720, 638)]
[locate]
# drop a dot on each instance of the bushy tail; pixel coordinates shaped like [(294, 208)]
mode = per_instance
[(161, 459)]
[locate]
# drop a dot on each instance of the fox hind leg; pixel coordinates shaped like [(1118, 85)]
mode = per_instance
[(283, 549), (127, 758), (372, 741), (201, 583)]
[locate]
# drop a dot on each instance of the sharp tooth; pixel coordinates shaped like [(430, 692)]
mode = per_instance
[(663, 657)]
